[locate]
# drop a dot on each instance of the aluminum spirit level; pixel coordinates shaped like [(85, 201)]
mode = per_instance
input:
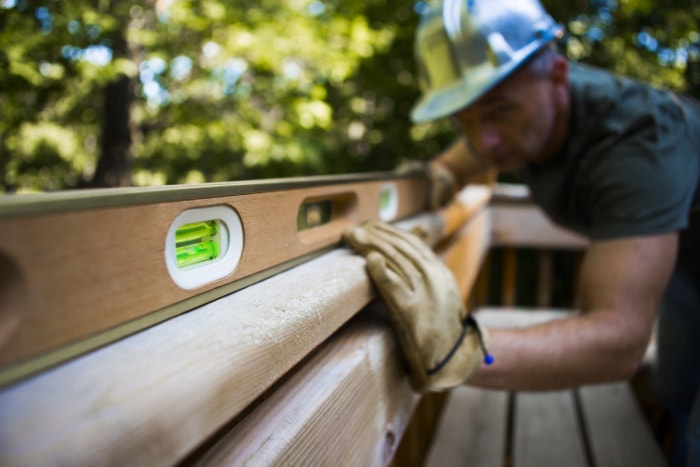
[(81, 269)]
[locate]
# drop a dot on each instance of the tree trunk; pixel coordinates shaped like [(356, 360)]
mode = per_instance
[(116, 158), (5, 185)]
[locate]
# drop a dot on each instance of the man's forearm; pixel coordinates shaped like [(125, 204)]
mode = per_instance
[(583, 349), (463, 165), (621, 283)]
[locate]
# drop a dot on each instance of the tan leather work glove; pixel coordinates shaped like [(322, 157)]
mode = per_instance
[(441, 341), (442, 185)]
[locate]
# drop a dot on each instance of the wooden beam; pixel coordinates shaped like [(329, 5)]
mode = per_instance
[(357, 379), (465, 253), (151, 398), (467, 203), (418, 435), (348, 405)]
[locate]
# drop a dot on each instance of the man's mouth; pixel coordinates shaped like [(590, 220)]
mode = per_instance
[(500, 158)]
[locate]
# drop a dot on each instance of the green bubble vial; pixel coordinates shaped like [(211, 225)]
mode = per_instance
[(203, 245), (384, 200), (388, 202), (196, 243)]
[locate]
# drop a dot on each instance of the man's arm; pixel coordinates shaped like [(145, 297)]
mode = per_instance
[(621, 285), (464, 166)]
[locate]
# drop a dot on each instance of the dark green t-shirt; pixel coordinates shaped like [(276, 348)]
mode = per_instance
[(630, 166)]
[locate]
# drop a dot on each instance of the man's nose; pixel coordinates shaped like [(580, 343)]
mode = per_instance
[(487, 138)]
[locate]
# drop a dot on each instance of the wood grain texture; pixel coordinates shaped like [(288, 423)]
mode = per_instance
[(350, 404), (467, 251), (472, 430), (468, 202), (618, 432), (153, 397), (418, 435), (453, 217), (85, 272), (547, 431)]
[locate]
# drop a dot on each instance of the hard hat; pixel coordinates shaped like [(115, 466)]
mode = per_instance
[(465, 47)]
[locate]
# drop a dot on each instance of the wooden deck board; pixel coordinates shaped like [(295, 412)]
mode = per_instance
[(471, 430), (619, 434), (547, 431)]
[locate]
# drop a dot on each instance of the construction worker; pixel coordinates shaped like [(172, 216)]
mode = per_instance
[(610, 158)]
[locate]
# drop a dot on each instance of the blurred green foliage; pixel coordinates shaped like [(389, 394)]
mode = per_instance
[(215, 90)]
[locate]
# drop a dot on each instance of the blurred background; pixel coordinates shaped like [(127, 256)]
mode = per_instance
[(117, 93)]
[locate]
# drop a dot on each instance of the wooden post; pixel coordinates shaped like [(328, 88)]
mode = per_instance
[(544, 278), (509, 283)]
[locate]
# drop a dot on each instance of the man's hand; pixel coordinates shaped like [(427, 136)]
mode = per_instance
[(442, 185), (439, 339)]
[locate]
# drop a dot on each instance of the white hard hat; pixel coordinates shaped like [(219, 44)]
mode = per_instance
[(465, 47)]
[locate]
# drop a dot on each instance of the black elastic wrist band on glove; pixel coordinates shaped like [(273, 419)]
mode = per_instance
[(468, 322)]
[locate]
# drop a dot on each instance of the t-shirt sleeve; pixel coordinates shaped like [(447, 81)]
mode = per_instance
[(642, 185)]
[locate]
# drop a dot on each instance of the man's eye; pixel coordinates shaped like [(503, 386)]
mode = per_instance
[(499, 112), (463, 125)]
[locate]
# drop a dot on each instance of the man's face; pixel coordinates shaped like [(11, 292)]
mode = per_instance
[(512, 124)]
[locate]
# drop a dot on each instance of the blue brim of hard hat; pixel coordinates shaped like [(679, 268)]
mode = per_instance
[(446, 102)]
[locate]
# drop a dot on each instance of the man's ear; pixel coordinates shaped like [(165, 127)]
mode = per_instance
[(560, 70)]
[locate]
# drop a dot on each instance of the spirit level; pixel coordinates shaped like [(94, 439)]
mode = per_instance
[(130, 258)]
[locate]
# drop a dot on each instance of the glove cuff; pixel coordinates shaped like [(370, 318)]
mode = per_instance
[(469, 322)]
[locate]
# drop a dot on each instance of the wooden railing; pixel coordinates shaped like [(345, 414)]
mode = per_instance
[(299, 369), (530, 257)]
